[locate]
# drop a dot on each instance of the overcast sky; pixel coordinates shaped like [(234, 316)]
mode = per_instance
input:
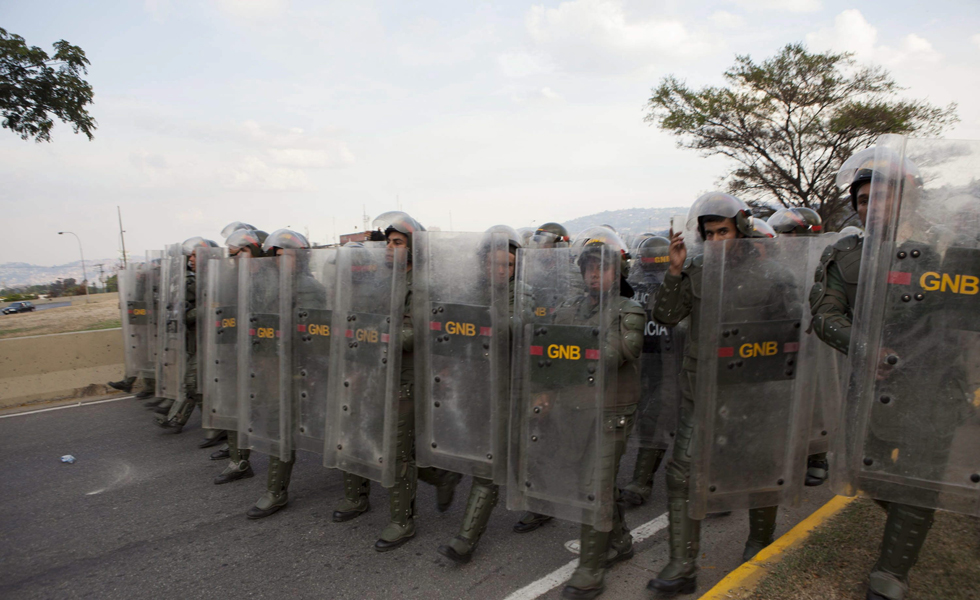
[(306, 113)]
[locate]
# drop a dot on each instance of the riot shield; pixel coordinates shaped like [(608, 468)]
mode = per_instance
[(151, 296), (824, 384), (202, 265), (912, 416), (460, 316), (307, 285), (753, 423), (172, 325), (365, 363), (263, 409), (134, 319), (561, 385), (660, 363), (220, 324)]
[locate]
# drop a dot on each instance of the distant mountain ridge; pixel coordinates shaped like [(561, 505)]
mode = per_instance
[(15, 274), (628, 221)]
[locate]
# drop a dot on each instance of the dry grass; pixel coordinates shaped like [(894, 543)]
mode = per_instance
[(102, 312), (835, 561)]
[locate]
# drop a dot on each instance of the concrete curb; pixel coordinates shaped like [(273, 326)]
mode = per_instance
[(745, 578)]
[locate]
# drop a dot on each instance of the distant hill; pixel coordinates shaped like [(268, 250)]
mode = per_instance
[(628, 221), (16, 274)]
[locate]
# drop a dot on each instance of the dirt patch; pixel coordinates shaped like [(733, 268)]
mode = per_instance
[(834, 562), (98, 313)]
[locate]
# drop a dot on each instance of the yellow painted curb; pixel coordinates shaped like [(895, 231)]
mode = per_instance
[(747, 576)]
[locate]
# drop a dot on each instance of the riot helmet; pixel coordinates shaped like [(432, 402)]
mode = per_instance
[(852, 230), (652, 253), (861, 167), (513, 238), (548, 236), (714, 205), (247, 239), (284, 238), (796, 220), (399, 221), (591, 242), (525, 233), (760, 229), (234, 226), (192, 244)]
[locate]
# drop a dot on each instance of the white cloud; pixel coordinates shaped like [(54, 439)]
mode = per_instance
[(781, 5), (524, 64), (598, 36), (976, 40), (253, 174), (727, 20), (852, 33), (158, 9), (252, 10), (337, 155)]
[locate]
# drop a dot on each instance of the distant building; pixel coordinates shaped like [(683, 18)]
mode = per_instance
[(360, 236)]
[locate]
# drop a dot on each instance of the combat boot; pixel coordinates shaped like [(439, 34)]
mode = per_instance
[(276, 495), (620, 540), (164, 406), (587, 580), (816, 470), (126, 385), (762, 527), (401, 528), (143, 395), (647, 462), (152, 403), (483, 497), (530, 521), (905, 532), (178, 416), (234, 471), (213, 437), (680, 574), (355, 502), (446, 490), (221, 453)]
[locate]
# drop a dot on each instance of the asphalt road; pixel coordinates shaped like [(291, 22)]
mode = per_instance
[(137, 515)]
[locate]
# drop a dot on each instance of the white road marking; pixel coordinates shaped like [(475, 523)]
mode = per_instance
[(562, 574), (75, 405)]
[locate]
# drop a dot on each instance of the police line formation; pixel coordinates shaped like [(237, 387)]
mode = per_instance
[(748, 349)]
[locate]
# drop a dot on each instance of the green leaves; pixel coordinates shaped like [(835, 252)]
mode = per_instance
[(36, 88), (790, 122)]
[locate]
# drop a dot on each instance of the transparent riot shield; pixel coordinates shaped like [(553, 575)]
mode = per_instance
[(753, 423), (308, 280), (824, 384), (562, 386), (460, 314), (660, 363), (134, 320), (172, 325), (263, 409), (151, 296), (220, 324), (202, 264), (365, 363), (912, 415)]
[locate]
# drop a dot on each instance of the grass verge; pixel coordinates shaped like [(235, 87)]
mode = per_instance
[(834, 561)]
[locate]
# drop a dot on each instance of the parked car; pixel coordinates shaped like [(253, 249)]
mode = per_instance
[(18, 307)]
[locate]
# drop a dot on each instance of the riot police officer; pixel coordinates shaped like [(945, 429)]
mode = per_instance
[(240, 242), (832, 302), (484, 493), (181, 411), (398, 228), (309, 291), (718, 217)]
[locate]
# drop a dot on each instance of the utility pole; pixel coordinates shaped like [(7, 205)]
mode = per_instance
[(122, 238), (366, 218)]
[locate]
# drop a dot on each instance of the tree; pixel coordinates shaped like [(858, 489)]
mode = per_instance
[(790, 122), (35, 87)]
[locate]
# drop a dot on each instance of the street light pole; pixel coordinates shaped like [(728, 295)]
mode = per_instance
[(80, 251)]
